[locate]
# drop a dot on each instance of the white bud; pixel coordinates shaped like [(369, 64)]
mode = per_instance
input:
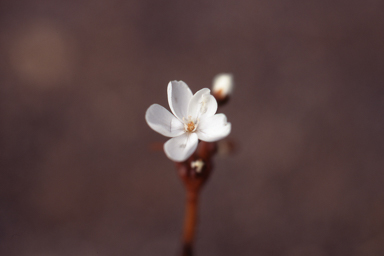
[(198, 165), (223, 84)]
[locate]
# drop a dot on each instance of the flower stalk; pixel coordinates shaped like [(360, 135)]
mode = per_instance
[(194, 172), (190, 222)]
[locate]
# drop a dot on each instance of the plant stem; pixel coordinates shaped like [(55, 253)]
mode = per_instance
[(190, 221)]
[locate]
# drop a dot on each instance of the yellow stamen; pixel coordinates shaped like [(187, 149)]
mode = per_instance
[(190, 126)]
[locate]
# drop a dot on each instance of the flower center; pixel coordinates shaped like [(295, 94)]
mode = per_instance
[(190, 125)]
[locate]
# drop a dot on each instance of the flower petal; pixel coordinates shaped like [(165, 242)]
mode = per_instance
[(210, 105), (179, 96), (163, 122), (178, 149), (213, 128), (202, 104)]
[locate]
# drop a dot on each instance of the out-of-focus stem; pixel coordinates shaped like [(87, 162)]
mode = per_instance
[(194, 178), (190, 221)]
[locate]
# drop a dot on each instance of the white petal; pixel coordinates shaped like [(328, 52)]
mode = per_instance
[(163, 122), (213, 128), (178, 149), (179, 96), (210, 106), (202, 104)]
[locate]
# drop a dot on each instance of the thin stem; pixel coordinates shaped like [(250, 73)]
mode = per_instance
[(190, 221)]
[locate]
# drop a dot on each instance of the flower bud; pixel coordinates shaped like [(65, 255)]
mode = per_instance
[(222, 86), (197, 165)]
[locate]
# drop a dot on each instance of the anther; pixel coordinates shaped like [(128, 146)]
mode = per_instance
[(190, 126)]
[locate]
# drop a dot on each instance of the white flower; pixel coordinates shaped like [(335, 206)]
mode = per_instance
[(223, 85), (193, 118)]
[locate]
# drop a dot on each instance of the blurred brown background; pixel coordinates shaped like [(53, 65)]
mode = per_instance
[(77, 176)]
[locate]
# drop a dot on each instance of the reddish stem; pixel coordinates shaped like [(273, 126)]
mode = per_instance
[(190, 222), (194, 180)]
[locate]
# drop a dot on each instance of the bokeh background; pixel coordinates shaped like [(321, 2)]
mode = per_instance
[(78, 176)]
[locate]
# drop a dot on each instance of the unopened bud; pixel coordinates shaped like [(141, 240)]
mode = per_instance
[(222, 86), (197, 165)]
